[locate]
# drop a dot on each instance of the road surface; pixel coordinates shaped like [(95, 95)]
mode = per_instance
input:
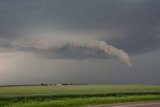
[(151, 104)]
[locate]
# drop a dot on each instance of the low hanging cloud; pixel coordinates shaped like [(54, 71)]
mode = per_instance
[(73, 47)]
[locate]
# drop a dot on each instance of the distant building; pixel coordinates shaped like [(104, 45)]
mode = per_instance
[(58, 84)]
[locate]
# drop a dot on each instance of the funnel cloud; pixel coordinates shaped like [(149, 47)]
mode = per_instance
[(53, 44)]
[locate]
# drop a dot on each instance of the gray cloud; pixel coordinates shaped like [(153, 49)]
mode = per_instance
[(129, 23), (68, 46), (32, 26)]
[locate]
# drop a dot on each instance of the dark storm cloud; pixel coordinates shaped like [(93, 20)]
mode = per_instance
[(69, 47), (72, 53), (64, 52), (52, 29), (138, 18)]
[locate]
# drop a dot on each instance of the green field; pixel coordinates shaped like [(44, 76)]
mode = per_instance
[(76, 95)]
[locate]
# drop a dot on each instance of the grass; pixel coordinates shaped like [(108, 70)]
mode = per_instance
[(58, 96), (72, 102)]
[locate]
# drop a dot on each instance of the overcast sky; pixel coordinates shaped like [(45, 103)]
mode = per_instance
[(79, 41)]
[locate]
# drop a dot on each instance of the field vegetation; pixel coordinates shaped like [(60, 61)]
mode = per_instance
[(76, 95)]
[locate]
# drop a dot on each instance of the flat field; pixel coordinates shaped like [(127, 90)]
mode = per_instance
[(76, 95)]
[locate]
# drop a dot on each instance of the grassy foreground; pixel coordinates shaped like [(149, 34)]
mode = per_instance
[(72, 102), (76, 95)]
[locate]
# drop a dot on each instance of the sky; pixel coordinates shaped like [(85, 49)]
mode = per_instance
[(79, 41)]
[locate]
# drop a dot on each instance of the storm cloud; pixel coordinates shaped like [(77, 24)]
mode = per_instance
[(77, 47), (114, 21), (94, 30)]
